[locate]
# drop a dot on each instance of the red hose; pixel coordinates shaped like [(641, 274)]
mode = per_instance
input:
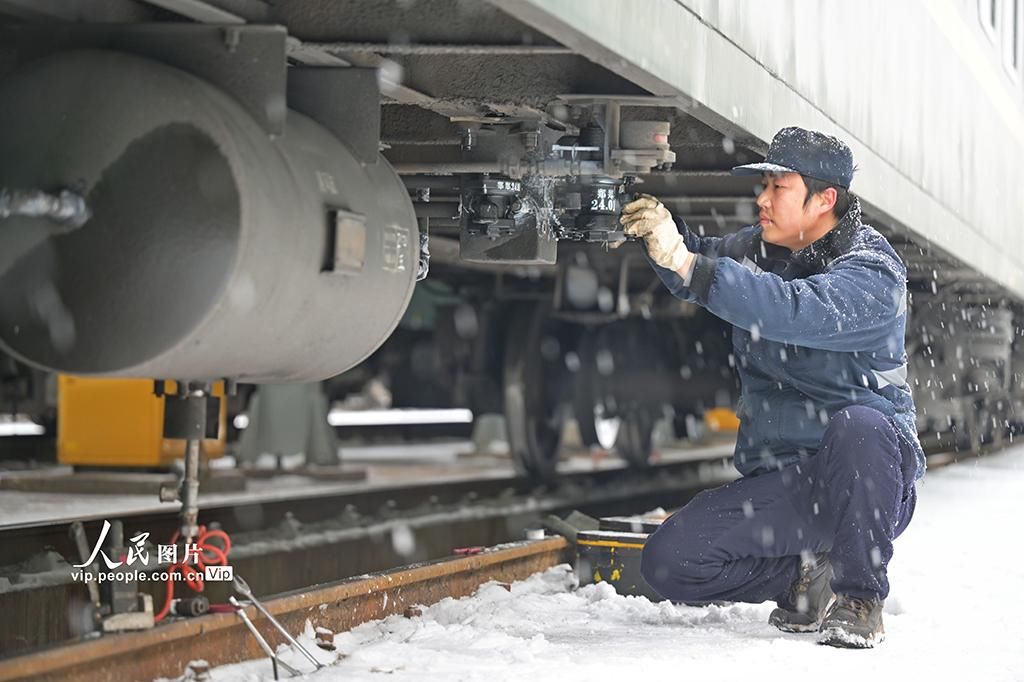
[(209, 554)]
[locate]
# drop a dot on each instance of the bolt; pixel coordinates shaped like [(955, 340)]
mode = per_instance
[(232, 36), (488, 212), (169, 492), (531, 139)]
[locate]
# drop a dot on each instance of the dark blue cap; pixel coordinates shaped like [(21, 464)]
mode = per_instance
[(807, 152)]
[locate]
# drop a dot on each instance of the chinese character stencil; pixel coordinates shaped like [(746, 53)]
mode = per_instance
[(138, 550), (96, 550), (191, 553), (167, 554)]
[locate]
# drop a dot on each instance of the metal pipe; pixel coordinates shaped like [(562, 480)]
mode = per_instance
[(695, 173), (622, 302), (62, 213), (433, 142), (274, 660), (709, 198), (441, 49), (197, 10), (611, 134), (242, 587), (77, 531), (190, 492), (448, 168), (547, 167), (66, 207)]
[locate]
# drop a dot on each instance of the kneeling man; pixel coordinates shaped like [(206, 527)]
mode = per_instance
[(827, 446)]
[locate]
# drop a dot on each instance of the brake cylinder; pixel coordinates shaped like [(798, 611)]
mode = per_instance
[(213, 249)]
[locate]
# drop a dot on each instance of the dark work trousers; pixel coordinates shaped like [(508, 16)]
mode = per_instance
[(743, 541)]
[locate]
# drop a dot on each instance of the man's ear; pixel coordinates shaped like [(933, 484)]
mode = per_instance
[(828, 199)]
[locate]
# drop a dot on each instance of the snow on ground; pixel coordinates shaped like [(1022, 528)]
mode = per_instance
[(956, 611)]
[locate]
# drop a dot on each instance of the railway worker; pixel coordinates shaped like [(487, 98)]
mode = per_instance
[(827, 445)]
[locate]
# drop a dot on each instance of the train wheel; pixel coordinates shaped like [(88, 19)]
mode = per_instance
[(534, 373), (599, 427), (595, 413), (988, 422), (602, 420), (978, 426), (635, 442)]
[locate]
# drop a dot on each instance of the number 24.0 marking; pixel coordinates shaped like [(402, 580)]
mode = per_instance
[(603, 202)]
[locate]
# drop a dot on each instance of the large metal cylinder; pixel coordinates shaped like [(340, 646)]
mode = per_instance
[(214, 250)]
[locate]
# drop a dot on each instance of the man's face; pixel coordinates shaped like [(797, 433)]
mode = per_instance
[(784, 218)]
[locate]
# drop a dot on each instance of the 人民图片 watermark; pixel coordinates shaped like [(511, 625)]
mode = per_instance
[(136, 564)]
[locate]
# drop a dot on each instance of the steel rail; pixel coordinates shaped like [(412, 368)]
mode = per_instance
[(223, 638), (252, 513), (292, 542), (37, 616)]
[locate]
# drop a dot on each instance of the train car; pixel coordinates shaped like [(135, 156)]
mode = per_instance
[(208, 189)]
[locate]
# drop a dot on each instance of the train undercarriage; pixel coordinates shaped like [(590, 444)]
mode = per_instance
[(418, 198), (458, 145)]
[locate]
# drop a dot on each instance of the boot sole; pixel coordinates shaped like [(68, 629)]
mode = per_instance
[(800, 629), (842, 639)]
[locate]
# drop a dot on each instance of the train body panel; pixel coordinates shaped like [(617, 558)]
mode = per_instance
[(919, 91)]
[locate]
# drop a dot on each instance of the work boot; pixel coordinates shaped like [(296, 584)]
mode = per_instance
[(804, 604), (853, 623)]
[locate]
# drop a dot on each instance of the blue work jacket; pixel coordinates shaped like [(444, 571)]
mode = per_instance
[(813, 331)]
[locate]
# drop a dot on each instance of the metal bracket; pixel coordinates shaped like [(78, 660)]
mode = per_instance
[(618, 160), (190, 414), (344, 100), (247, 62)]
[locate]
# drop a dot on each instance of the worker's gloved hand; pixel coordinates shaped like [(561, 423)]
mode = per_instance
[(648, 218)]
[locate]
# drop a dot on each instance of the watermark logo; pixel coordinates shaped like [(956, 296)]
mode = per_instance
[(135, 552), (220, 573), (137, 557)]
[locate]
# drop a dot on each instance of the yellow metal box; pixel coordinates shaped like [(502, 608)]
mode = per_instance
[(119, 423)]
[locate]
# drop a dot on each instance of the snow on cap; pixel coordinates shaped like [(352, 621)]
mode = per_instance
[(807, 152)]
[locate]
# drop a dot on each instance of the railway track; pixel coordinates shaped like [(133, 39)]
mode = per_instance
[(223, 638), (290, 543), (302, 546)]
